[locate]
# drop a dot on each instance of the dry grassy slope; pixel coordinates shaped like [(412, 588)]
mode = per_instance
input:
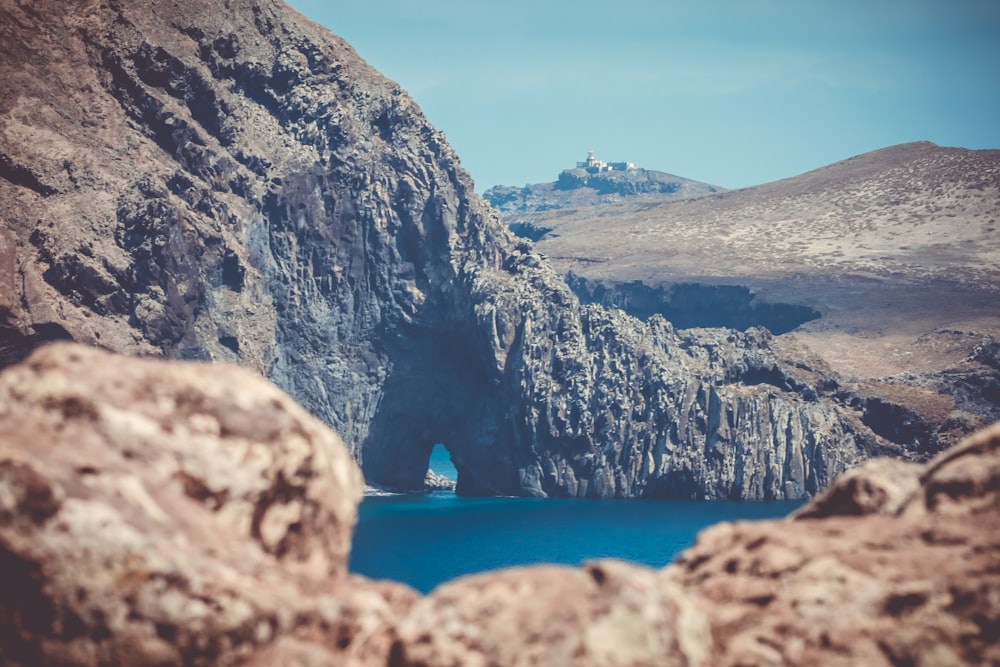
[(891, 246)]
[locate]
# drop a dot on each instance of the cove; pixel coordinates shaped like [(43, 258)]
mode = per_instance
[(425, 540)]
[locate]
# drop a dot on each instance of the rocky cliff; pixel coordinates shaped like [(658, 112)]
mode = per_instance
[(230, 182), (692, 305), (165, 513), (894, 250)]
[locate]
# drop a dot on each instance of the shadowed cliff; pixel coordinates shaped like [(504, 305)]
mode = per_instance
[(232, 182)]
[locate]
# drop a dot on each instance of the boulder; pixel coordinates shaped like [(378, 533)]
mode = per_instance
[(159, 512), (608, 613)]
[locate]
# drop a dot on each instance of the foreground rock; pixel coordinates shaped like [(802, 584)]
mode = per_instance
[(169, 513), (903, 568), (156, 513)]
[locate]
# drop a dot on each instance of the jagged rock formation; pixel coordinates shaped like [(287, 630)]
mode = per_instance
[(231, 182), (165, 513)]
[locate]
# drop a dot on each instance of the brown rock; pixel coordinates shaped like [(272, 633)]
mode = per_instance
[(914, 582), (608, 613), (966, 479), (898, 565), (163, 513), (882, 486)]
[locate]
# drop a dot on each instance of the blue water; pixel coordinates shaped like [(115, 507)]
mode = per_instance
[(424, 540), (440, 462)]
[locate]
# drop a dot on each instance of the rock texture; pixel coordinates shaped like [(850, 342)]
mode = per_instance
[(608, 613), (165, 513), (896, 249), (897, 564), (231, 182), (168, 513)]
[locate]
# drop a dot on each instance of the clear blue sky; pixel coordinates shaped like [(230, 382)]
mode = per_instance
[(729, 92)]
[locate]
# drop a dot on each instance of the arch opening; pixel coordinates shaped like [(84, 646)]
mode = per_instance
[(441, 475), (437, 393)]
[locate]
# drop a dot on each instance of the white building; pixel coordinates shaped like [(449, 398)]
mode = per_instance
[(595, 166)]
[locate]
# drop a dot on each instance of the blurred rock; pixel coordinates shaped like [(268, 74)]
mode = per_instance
[(608, 613), (881, 486), (165, 513), (883, 572)]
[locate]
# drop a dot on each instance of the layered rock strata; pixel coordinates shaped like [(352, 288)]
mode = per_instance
[(231, 182)]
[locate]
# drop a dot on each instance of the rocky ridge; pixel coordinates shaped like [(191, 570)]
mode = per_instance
[(167, 513), (231, 182)]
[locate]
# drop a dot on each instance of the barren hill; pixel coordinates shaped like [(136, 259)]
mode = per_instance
[(883, 265), (588, 187), (890, 247)]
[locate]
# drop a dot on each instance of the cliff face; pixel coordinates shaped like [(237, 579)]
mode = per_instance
[(884, 265), (231, 182), (691, 305)]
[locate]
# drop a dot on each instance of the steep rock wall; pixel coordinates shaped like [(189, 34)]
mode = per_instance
[(231, 182)]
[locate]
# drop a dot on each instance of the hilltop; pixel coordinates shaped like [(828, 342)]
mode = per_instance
[(592, 182)]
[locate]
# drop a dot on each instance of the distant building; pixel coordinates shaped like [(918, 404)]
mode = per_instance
[(595, 166)]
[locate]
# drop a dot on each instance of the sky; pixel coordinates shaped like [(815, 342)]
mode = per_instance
[(729, 92)]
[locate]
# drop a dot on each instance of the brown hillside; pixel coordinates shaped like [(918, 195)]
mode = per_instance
[(891, 247)]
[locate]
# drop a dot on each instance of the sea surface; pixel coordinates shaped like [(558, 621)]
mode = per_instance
[(425, 540)]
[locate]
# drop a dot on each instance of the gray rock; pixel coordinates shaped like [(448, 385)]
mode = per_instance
[(435, 482), (231, 182)]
